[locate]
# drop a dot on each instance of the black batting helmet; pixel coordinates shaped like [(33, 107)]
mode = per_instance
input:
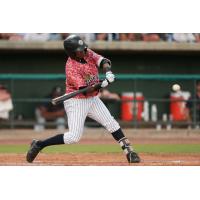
[(74, 43)]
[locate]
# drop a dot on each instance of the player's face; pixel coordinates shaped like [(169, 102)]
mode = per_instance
[(80, 54)]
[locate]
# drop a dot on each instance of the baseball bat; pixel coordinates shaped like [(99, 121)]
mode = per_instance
[(64, 97)]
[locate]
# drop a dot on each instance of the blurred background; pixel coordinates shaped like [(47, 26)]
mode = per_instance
[(157, 79)]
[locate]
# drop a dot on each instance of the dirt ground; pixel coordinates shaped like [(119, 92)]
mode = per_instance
[(100, 159), (100, 136)]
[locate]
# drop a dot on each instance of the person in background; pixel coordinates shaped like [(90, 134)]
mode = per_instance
[(87, 37), (197, 37), (193, 106), (111, 101), (64, 35), (184, 37), (105, 94), (151, 37), (55, 36), (11, 36), (50, 112), (5, 103), (127, 37), (107, 37), (101, 36), (36, 36)]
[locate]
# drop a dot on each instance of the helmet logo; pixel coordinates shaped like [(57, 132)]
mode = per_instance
[(80, 42)]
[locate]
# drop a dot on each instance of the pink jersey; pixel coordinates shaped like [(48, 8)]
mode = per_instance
[(80, 75)]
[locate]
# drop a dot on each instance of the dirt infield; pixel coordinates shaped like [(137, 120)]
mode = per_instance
[(100, 159), (99, 136)]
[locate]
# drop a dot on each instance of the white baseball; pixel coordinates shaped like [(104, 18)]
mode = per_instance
[(176, 87)]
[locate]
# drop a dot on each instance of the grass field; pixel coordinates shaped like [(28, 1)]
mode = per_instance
[(97, 148), (106, 148)]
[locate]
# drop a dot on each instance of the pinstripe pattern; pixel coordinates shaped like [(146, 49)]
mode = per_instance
[(78, 109), (100, 113)]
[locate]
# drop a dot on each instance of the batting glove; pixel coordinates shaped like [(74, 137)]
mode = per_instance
[(110, 77), (104, 83)]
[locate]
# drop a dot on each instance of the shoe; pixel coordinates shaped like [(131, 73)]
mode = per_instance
[(33, 151), (132, 157)]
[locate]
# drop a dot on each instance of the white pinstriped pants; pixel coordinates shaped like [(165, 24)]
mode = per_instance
[(78, 109)]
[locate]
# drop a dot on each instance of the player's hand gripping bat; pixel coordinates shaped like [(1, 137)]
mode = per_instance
[(64, 97)]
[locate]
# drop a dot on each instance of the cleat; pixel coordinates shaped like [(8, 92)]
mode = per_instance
[(33, 151), (133, 157)]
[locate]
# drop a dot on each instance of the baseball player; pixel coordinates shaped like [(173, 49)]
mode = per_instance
[(81, 71)]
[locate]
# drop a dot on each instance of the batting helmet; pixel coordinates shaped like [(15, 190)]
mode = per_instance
[(74, 43)]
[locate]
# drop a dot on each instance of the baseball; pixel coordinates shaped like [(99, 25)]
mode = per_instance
[(176, 87)]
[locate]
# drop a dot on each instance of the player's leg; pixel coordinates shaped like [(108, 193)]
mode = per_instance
[(99, 112), (60, 124), (40, 125), (76, 112)]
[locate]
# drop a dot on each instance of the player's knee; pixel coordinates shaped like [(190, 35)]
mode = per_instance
[(70, 138), (76, 139)]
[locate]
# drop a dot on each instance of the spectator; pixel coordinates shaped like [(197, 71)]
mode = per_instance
[(36, 36), (11, 36), (107, 36), (64, 35), (5, 103), (50, 112), (197, 37), (55, 36), (87, 37), (151, 37), (193, 105), (105, 94), (101, 36), (168, 37), (127, 37), (184, 37), (111, 101), (165, 36)]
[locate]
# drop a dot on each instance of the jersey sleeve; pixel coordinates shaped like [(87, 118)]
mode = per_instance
[(95, 57)]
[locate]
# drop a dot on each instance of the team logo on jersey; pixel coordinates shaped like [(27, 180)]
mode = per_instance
[(90, 79), (80, 42)]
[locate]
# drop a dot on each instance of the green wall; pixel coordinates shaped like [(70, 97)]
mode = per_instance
[(123, 62)]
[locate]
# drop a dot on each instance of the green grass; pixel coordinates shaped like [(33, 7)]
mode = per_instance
[(81, 148)]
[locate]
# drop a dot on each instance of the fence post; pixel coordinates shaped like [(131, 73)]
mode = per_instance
[(135, 104), (195, 104), (13, 111)]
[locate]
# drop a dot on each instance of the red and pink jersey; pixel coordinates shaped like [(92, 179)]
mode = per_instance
[(80, 75)]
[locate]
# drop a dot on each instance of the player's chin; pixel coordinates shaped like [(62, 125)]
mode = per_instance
[(80, 54)]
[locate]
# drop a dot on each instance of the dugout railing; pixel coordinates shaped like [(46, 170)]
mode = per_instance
[(153, 86)]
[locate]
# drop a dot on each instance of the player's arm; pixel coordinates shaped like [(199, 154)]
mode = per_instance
[(106, 66), (102, 63)]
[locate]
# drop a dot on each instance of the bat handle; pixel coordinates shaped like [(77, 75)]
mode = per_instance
[(54, 101)]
